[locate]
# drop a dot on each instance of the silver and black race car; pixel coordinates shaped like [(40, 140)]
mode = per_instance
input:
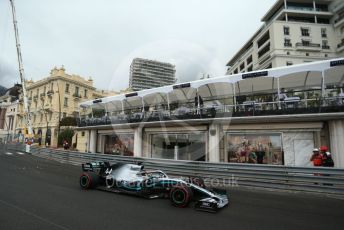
[(133, 179)]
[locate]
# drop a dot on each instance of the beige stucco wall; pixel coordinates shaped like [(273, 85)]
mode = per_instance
[(59, 93)]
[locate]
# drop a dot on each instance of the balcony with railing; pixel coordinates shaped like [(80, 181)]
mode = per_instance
[(288, 44), (264, 51), (340, 46), (35, 97), (279, 93), (50, 93), (47, 107), (4, 103), (77, 96), (290, 106), (299, 8), (339, 21), (308, 46)]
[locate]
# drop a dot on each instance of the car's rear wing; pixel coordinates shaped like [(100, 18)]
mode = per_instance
[(95, 166)]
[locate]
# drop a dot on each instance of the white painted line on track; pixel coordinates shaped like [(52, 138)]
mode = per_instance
[(8, 153), (20, 153)]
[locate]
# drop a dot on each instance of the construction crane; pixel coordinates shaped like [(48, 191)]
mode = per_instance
[(21, 72)]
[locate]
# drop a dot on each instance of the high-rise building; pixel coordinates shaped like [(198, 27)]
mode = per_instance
[(146, 74), (294, 32)]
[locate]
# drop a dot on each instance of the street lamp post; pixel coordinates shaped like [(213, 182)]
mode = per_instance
[(58, 126)]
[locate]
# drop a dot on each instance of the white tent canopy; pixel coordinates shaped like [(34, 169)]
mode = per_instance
[(314, 74), (216, 87), (301, 80), (335, 76), (255, 85)]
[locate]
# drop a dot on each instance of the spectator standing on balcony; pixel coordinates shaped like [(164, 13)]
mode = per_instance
[(282, 96), (340, 100), (198, 102)]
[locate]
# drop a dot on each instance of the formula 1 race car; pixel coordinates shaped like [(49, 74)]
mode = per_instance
[(133, 179)]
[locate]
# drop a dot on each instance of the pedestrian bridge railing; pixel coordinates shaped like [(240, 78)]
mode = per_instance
[(323, 180)]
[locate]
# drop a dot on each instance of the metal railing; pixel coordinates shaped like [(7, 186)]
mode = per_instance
[(241, 109), (323, 180), (304, 44)]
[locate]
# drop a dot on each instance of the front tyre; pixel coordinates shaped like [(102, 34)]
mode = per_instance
[(88, 180), (181, 196)]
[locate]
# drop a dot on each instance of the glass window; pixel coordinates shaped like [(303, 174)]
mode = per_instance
[(65, 103), (76, 90), (179, 146), (325, 44), (306, 42), (305, 32), (67, 88), (265, 148), (242, 66), (287, 42), (120, 144), (286, 30)]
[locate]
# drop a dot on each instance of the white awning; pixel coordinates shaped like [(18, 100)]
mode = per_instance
[(216, 87), (302, 76), (255, 85), (335, 76)]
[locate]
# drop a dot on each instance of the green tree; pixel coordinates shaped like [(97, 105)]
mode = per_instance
[(66, 134), (68, 121)]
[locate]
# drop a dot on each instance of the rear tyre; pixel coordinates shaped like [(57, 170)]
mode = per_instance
[(181, 196), (88, 180)]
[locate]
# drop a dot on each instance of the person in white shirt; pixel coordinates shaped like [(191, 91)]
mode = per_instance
[(282, 95)]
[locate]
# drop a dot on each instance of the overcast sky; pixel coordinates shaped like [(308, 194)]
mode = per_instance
[(99, 38)]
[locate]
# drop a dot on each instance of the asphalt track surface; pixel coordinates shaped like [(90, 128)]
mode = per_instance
[(40, 194)]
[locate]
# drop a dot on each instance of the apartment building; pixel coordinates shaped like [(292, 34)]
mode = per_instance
[(53, 98), (294, 32), (8, 109), (146, 74)]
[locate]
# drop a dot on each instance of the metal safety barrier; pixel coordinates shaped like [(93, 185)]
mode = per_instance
[(307, 179)]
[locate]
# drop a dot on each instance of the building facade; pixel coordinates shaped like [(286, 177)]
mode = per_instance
[(8, 113), (51, 99), (294, 32), (270, 131), (146, 74)]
